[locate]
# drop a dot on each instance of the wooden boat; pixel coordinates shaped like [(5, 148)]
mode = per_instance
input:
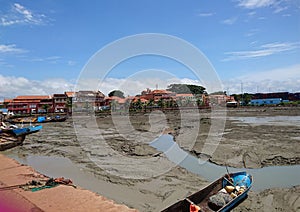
[(200, 201), (15, 131), (12, 137), (8, 141), (38, 119)]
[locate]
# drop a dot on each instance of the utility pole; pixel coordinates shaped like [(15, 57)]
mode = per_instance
[(242, 93)]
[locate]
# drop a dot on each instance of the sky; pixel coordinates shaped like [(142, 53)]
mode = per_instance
[(45, 45)]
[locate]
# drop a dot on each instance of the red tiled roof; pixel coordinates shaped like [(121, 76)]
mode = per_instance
[(32, 97), (116, 98), (143, 100), (184, 95), (70, 93), (7, 100), (161, 91)]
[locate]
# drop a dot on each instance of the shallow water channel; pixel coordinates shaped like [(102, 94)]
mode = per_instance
[(267, 177)]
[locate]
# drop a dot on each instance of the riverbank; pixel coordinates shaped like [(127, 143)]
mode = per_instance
[(266, 142), (59, 198)]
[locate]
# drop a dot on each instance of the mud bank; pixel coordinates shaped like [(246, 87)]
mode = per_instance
[(154, 182), (59, 198)]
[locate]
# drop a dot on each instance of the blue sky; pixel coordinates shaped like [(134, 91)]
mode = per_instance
[(45, 44)]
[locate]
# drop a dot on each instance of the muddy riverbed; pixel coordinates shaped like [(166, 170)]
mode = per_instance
[(113, 153)]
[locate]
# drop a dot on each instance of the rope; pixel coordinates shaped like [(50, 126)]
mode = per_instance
[(50, 183), (11, 187)]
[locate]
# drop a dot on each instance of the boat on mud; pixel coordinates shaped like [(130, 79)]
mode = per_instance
[(13, 136), (221, 195), (36, 119)]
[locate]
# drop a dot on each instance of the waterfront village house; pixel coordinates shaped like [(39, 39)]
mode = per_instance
[(6, 102), (220, 99), (88, 100), (115, 102), (30, 104), (60, 103), (70, 95), (157, 95), (187, 99)]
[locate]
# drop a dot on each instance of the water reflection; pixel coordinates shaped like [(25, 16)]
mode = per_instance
[(268, 120), (267, 177)]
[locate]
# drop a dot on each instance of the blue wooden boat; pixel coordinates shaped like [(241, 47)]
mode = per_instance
[(11, 137), (22, 130), (38, 119), (27, 130), (201, 199)]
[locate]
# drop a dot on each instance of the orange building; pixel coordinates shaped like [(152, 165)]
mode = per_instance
[(30, 104), (157, 95)]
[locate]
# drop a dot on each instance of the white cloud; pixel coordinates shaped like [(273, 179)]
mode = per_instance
[(281, 79), (264, 50), (275, 80), (206, 14), (21, 15), (229, 21), (10, 49), (72, 62), (51, 59), (277, 5), (11, 86), (130, 86), (252, 13), (252, 4), (279, 9), (251, 32), (286, 73)]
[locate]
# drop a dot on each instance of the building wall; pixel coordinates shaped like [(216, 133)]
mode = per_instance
[(271, 101)]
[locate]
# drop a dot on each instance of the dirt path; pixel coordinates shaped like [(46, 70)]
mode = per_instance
[(60, 198)]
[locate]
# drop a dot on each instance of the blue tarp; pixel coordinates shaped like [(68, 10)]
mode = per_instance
[(3, 110), (41, 119)]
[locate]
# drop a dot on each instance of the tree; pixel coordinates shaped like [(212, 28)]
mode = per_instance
[(46, 107), (139, 104), (150, 102), (117, 93), (245, 98), (185, 88), (199, 102), (218, 93)]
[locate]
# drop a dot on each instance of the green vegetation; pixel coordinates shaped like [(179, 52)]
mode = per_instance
[(117, 93), (185, 88), (244, 98)]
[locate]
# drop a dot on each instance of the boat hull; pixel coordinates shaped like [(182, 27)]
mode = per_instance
[(201, 198), (36, 120), (10, 138)]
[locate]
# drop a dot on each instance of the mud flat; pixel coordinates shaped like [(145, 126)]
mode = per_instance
[(251, 138)]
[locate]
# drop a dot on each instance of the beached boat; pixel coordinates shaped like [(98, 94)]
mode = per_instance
[(233, 189), (11, 137), (15, 131), (8, 141), (38, 119)]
